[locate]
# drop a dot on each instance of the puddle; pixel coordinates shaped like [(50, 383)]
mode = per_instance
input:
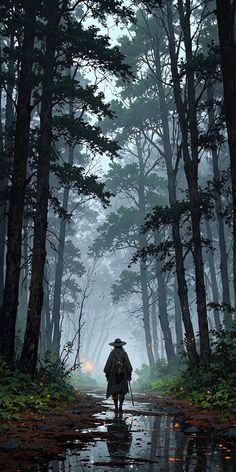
[(144, 440), (147, 441)]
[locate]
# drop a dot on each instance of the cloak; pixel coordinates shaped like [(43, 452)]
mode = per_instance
[(117, 383)]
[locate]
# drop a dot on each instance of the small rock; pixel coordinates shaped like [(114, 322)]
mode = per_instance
[(192, 429), (44, 428), (11, 445), (68, 424), (54, 413), (231, 433), (76, 411)]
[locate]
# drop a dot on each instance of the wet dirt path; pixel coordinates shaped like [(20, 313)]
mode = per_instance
[(147, 437)]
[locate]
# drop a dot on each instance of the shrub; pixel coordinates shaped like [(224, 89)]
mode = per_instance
[(159, 375), (212, 386), (19, 393)]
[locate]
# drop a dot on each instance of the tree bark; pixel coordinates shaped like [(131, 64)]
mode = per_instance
[(143, 266), (59, 269), (45, 338), (179, 259), (5, 156), (178, 320), (17, 193), (226, 25), (214, 287), (189, 135), (228, 321), (28, 359), (154, 325), (23, 289), (163, 315), (2, 196)]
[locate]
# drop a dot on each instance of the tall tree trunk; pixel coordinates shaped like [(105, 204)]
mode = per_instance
[(214, 287), (45, 326), (154, 325), (146, 314), (189, 134), (171, 176), (163, 315), (228, 321), (226, 25), (23, 288), (5, 157), (16, 207), (46, 311), (143, 266), (59, 268), (178, 319), (28, 359), (2, 196), (162, 347)]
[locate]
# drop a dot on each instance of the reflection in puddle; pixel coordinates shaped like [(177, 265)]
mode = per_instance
[(153, 442), (148, 443)]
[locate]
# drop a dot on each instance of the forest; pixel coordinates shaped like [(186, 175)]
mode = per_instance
[(117, 198)]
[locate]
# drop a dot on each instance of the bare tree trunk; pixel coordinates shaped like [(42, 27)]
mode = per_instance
[(178, 319), (45, 340), (28, 359), (214, 287), (143, 266), (5, 157), (2, 196), (228, 321), (162, 347), (146, 314), (179, 259), (226, 24), (59, 269), (154, 325), (23, 288), (189, 134), (16, 208), (163, 315)]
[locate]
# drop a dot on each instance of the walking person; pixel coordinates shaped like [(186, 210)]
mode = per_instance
[(118, 371)]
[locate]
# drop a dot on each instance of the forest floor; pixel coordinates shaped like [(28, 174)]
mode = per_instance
[(39, 438)]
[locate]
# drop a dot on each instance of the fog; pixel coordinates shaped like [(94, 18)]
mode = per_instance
[(117, 207)]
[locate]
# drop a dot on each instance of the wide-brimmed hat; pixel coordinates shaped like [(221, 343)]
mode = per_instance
[(117, 343)]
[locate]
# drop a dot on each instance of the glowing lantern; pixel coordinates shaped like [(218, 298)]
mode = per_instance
[(87, 365)]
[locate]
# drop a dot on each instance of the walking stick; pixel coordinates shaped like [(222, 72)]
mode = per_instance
[(132, 398)]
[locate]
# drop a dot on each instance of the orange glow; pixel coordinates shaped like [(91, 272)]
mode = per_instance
[(87, 365), (173, 459), (228, 457)]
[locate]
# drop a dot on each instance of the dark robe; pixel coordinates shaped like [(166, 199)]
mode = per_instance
[(117, 383)]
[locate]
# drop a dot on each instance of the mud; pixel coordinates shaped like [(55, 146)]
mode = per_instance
[(153, 435)]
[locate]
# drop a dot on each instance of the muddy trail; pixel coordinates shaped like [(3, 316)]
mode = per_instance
[(153, 435)]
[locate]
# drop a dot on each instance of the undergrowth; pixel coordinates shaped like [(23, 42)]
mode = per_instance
[(19, 393), (211, 386)]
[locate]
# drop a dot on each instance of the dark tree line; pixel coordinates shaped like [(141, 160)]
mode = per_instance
[(40, 43), (173, 217), (174, 119)]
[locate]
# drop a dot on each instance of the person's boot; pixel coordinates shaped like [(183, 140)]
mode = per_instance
[(120, 407), (116, 406)]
